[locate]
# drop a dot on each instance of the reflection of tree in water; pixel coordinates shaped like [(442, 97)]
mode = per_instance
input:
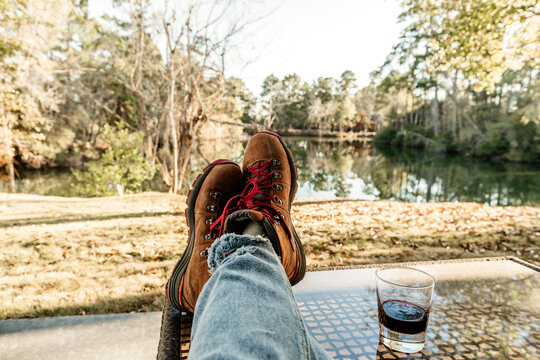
[(412, 176), (57, 181), (330, 165), (50, 182), (324, 165), (418, 176)]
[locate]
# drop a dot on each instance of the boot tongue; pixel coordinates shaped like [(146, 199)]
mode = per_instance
[(238, 220)]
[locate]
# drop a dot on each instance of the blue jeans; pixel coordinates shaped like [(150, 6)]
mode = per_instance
[(247, 309)]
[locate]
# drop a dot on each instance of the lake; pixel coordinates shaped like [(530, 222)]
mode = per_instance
[(330, 168)]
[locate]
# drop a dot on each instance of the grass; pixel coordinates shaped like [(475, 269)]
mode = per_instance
[(67, 256)]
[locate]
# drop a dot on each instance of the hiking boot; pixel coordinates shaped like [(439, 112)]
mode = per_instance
[(271, 184), (205, 215)]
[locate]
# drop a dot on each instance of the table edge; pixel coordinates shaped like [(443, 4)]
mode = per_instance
[(430, 262)]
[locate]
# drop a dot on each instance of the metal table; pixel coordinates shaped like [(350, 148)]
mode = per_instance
[(482, 309)]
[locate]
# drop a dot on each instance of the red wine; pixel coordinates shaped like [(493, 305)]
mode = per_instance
[(403, 316)]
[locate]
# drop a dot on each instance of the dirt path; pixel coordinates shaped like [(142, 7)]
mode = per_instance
[(63, 256)]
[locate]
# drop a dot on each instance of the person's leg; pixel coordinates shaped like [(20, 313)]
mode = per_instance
[(247, 309)]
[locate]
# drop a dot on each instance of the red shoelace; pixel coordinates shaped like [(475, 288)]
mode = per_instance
[(256, 195)]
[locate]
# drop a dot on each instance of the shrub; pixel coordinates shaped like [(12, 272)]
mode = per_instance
[(495, 143), (524, 141), (397, 141), (386, 135), (413, 138), (122, 164), (443, 142)]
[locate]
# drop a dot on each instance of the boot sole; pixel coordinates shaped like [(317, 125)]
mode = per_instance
[(301, 257), (174, 285)]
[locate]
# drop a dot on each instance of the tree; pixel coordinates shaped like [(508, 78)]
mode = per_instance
[(325, 105), (86, 55), (345, 109), (178, 93), (480, 39), (28, 91), (195, 66), (121, 169), (464, 45), (272, 89), (364, 101), (320, 114), (347, 83), (452, 68), (285, 101)]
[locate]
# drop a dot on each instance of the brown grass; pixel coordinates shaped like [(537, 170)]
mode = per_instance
[(65, 256)]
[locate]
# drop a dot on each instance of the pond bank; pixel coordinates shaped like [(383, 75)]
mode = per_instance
[(67, 256), (345, 135), (331, 168)]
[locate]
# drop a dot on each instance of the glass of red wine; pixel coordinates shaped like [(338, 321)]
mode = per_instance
[(404, 302)]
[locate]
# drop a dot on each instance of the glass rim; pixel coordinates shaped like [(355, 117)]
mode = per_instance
[(381, 269)]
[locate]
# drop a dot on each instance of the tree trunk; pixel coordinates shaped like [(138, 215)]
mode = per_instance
[(460, 122), (508, 102), (269, 118), (174, 136), (406, 115), (171, 50), (466, 115), (137, 76), (411, 111), (435, 111), (183, 160), (8, 148), (454, 114)]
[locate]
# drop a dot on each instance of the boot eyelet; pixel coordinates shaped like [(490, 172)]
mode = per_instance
[(215, 194), (277, 186), (208, 237), (209, 221), (212, 208), (277, 200), (204, 253), (275, 162), (276, 175)]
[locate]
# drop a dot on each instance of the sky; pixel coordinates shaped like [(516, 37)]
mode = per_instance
[(311, 38)]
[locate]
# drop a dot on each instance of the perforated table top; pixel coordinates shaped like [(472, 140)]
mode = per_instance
[(482, 309)]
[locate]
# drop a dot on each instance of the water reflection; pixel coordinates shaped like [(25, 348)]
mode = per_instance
[(54, 182), (330, 169), (418, 176)]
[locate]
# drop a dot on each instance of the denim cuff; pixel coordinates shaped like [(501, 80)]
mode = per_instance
[(230, 243)]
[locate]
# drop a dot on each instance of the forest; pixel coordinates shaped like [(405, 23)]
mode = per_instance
[(126, 96)]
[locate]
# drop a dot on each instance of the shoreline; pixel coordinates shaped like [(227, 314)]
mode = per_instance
[(68, 256), (326, 134)]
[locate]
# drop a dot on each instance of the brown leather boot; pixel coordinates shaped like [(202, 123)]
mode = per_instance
[(205, 215), (271, 184)]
